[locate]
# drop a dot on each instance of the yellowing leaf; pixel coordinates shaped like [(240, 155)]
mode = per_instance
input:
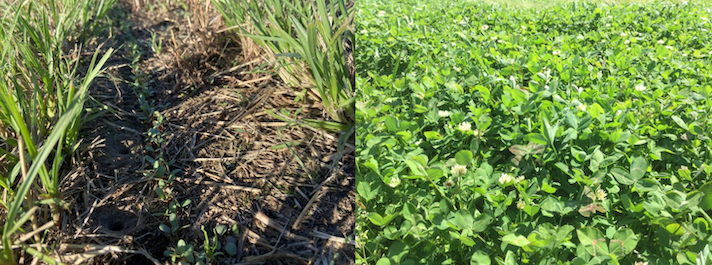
[(517, 240)]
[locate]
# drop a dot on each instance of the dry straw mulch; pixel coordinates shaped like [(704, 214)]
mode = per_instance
[(287, 188)]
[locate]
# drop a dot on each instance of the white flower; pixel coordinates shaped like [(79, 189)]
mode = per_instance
[(458, 170), (505, 179), (684, 54), (520, 205), (477, 133), (640, 87), (418, 142), (381, 13), (465, 126), (684, 168), (556, 52), (364, 32), (579, 37), (493, 38), (581, 107), (661, 42), (624, 34), (500, 41), (519, 179), (641, 263), (484, 27), (395, 181), (668, 47), (627, 42), (443, 113), (603, 41), (600, 194)]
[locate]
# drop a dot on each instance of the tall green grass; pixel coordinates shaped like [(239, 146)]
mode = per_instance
[(305, 39), (42, 96)]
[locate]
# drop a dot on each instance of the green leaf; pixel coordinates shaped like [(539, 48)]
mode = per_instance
[(420, 108), (593, 241), (696, 129), (364, 190), (405, 135), (706, 202), (596, 161), (379, 220), (383, 261), (484, 92), (481, 222), (675, 229), (480, 258), (434, 173), (220, 229), (517, 240), (537, 138), (638, 167), (571, 120), (465, 238), (164, 228), (679, 122), (553, 204), (432, 135), (531, 210), (464, 157), (462, 219), (549, 131), (231, 248), (623, 242), (415, 168), (547, 188), (675, 199), (397, 251), (647, 185), (622, 176), (596, 110)]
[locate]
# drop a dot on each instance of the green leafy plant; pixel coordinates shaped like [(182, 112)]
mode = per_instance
[(211, 245), (575, 134), (185, 253), (171, 212), (156, 42)]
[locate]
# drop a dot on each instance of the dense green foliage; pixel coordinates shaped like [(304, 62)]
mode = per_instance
[(568, 135)]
